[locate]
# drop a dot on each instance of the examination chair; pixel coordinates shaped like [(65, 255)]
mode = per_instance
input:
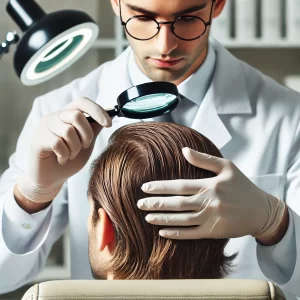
[(155, 289)]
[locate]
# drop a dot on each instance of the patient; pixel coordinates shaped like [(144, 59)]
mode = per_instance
[(122, 245)]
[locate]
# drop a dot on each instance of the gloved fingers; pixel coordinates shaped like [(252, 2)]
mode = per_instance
[(69, 135), (174, 203), (203, 160), (80, 123), (93, 109), (177, 219), (57, 145), (212, 227), (178, 186)]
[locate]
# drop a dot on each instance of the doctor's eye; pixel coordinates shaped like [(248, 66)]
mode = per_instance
[(143, 19)]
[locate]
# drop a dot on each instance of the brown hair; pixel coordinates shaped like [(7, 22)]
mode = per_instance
[(138, 153)]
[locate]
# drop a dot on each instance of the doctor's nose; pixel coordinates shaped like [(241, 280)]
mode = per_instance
[(166, 41)]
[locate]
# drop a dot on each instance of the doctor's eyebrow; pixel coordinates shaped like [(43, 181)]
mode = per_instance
[(139, 9)]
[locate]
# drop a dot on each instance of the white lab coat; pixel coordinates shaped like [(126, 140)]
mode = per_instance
[(249, 117)]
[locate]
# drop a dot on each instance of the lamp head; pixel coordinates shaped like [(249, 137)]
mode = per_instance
[(51, 42)]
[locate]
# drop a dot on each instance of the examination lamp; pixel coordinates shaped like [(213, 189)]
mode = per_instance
[(51, 42)]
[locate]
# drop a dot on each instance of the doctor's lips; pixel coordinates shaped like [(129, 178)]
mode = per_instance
[(165, 63)]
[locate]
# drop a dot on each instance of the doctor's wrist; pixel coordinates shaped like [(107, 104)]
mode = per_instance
[(28, 205), (278, 235), (275, 209), (36, 192)]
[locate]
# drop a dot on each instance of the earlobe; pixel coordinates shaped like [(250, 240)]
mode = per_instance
[(105, 230), (219, 6)]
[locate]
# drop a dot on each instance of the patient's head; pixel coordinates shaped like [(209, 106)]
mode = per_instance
[(122, 245)]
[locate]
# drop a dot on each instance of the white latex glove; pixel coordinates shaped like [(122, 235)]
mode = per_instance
[(228, 205), (60, 147)]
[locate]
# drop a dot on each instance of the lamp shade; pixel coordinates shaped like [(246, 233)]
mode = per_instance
[(51, 42)]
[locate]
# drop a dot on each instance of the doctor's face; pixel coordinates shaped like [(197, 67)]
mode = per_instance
[(184, 57)]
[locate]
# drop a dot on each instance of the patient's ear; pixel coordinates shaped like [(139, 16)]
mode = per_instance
[(105, 231), (219, 5)]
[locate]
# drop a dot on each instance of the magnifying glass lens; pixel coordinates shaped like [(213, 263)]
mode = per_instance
[(150, 103)]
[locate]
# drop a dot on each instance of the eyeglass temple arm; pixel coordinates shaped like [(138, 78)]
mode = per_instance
[(209, 22), (122, 23)]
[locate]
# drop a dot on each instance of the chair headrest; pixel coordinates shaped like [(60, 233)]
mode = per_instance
[(159, 289)]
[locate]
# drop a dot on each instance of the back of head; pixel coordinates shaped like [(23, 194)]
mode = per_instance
[(138, 153)]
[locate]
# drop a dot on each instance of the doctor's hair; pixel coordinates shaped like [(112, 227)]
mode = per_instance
[(138, 153)]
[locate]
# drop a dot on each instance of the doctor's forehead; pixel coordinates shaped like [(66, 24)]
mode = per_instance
[(168, 7)]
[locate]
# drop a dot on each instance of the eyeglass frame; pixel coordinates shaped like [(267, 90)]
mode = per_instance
[(168, 22)]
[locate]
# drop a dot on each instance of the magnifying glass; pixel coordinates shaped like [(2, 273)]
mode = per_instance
[(145, 101)]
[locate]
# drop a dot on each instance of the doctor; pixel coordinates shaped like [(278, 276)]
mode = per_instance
[(255, 197)]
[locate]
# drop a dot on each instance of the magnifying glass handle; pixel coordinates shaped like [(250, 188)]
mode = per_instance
[(111, 112)]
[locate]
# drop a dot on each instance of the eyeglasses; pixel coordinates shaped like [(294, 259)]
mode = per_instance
[(187, 28)]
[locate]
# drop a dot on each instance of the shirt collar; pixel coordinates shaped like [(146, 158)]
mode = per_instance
[(189, 88)]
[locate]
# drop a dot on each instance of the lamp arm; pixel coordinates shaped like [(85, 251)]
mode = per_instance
[(11, 38)]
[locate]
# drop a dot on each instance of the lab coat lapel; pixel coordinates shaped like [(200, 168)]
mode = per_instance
[(208, 123), (114, 80), (226, 95)]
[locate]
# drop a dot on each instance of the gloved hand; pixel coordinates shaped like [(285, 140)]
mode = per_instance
[(228, 205), (60, 147)]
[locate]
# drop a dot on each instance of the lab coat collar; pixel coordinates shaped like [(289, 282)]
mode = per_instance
[(114, 79), (229, 88), (226, 95)]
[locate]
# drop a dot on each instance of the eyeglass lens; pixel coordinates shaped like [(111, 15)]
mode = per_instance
[(144, 27)]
